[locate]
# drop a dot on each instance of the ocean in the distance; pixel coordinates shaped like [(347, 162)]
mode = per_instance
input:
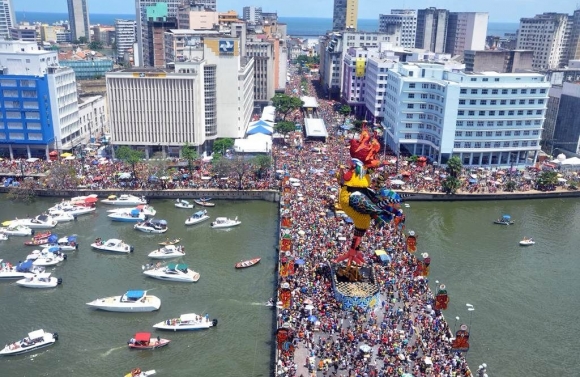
[(297, 26)]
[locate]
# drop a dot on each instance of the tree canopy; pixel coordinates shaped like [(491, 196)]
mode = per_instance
[(190, 154), (222, 145), (454, 166), (130, 156), (262, 164), (345, 110), (285, 104), (284, 127)]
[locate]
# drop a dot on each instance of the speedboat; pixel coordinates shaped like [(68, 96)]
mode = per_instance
[(68, 243), (42, 280), (527, 242), (204, 203), (62, 216), (3, 237), (167, 252), (170, 242), (35, 340), (41, 235), (146, 209), (47, 257), (504, 220), (190, 321), (270, 302), (39, 222), (84, 200), (131, 301), (183, 204), (15, 229), (224, 222), (74, 210), (132, 216), (197, 218), (22, 270), (171, 272), (113, 245), (124, 200), (138, 373), (144, 341), (152, 226), (248, 263)]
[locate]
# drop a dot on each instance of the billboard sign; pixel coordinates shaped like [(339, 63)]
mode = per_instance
[(226, 47)]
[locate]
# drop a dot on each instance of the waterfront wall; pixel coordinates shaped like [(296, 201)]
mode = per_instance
[(425, 197)]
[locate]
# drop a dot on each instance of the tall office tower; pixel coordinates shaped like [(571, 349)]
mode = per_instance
[(125, 36), (406, 19), (345, 15), (7, 19), (78, 18), (432, 29), (252, 14), (466, 31), (574, 40), (545, 34)]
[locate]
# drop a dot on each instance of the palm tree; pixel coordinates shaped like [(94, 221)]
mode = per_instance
[(190, 154), (454, 166)]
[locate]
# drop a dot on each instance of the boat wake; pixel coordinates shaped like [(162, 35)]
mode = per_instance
[(112, 350)]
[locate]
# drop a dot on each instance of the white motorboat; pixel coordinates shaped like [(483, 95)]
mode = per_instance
[(527, 242), (3, 237), (146, 209), (22, 270), (152, 226), (183, 204), (39, 222), (68, 243), (62, 216), (35, 340), (224, 222), (132, 216), (138, 373), (42, 280), (167, 252), (171, 272), (84, 200), (124, 200), (190, 321), (47, 257), (113, 245), (16, 229), (197, 218), (204, 202), (130, 302), (74, 210)]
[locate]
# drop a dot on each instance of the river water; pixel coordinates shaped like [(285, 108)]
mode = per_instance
[(93, 343)]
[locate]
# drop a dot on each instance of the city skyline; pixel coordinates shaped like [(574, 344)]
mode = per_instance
[(499, 10)]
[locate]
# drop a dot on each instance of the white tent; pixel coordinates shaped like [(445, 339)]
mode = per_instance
[(258, 143), (315, 128), (571, 161), (269, 114)]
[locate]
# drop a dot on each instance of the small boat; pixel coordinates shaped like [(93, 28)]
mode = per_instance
[(130, 302), (132, 216), (407, 205), (37, 242), (62, 216), (124, 200), (152, 226), (22, 270), (75, 210), (3, 237), (47, 257), (17, 230), (204, 203), (146, 209), (172, 272), (504, 220), (138, 373), (197, 218), (167, 252), (270, 302), (113, 245), (41, 280), (39, 222), (527, 242), (144, 341), (170, 242), (84, 200), (35, 340), (41, 235), (68, 243), (183, 204), (248, 263), (224, 222), (190, 321)]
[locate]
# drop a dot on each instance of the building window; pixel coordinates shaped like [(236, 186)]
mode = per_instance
[(528, 122), (487, 144), (534, 143), (524, 143), (538, 112), (409, 116), (504, 91), (502, 102), (506, 144), (468, 134), (473, 91), (481, 113), (501, 113), (517, 133), (472, 102), (494, 91), (456, 145), (460, 112), (462, 102), (516, 144), (459, 123), (535, 132), (483, 102), (421, 125), (522, 102), (458, 133), (514, 91), (484, 91), (424, 96), (531, 112), (500, 123), (412, 85), (509, 123), (493, 102), (540, 102), (467, 144), (497, 133), (410, 106), (526, 133), (408, 125), (479, 133), (531, 102), (469, 123), (508, 133), (497, 144), (477, 144), (480, 123), (473, 79), (411, 95), (408, 136), (488, 133), (532, 91), (463, 91), (512, 101), (492, 113), (524, 91)]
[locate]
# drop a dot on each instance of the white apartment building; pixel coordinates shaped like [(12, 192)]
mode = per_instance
[(546, 35), (7, 18), (202, 99), (92, 116), (406, 19), (125, 35), (184, 44), (466, 31), (485, 119), (252, 14)]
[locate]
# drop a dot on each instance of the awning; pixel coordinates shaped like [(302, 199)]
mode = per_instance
[(143, 336)]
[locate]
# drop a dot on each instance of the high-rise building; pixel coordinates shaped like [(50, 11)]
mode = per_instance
[(545, 34), (406, 19), (432, 29), (567, 128), (252, 14), (158, 22), (345, 15), (574, 40), (78, 16), (40, 101), (485, 119), (26, 32), (7, 18), (125, 36), (502, 61), (196, 17), (466, 31)]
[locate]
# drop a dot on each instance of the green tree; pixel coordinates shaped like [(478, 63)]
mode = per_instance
[(284, 127), (95, 45), (61, 173), (451, 184), (82, 40), (510, 186), (222, 145), (190, 154), (262, 163), (130, 156), (454, 166), (345, 110), (240, 167), (24, 192), (285, 104), (547, 181), (220, 166)]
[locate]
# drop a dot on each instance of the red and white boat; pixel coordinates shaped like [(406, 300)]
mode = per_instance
[(36, 242), (42, 235), (144, 341), (248, 263)]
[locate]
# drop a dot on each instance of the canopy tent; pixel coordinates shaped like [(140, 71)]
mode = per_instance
[(571, 161), (397, 182), (257, 143), (315, 128), (269, 114), (309, 102), (261, 127)]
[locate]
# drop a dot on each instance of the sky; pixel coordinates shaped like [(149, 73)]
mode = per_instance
[(499, 10)]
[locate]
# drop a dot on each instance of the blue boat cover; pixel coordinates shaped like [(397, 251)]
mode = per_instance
[(72, 238), (135, 295), (53, 238), (506, 217), (199, 213), (135, 212), (24, 266), (54, 249), (162, 222)]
